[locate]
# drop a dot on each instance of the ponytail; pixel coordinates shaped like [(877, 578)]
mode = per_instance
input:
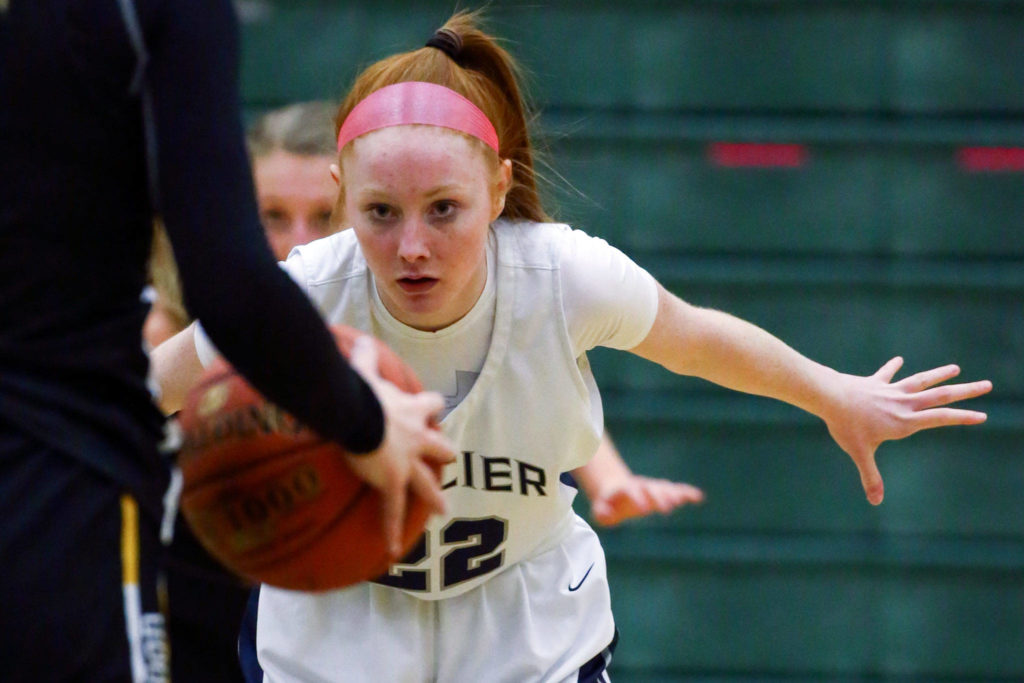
[(463, 58)]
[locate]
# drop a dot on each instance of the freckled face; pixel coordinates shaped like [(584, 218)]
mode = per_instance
[(296, 194), (420, 199)]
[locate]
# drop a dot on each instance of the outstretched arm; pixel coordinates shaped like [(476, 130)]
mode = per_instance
[(617, 494), (860, 412)]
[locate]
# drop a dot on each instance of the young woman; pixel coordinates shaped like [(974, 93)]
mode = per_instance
[(292, 149), (452, 262)]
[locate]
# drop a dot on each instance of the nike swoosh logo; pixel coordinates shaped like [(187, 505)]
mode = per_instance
[(575, 588)]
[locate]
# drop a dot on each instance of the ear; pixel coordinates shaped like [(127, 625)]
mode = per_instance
[(336, 174), (502, 187)]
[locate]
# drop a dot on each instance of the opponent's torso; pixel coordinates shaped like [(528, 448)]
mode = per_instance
[(75, 226)]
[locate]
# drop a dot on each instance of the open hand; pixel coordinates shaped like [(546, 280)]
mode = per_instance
[(870, 410), (639, 496)]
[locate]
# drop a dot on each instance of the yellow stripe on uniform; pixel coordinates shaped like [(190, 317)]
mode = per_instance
[(129, 540), (130, 585)]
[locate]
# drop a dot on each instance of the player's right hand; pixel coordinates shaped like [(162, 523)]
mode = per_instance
[(640, 496)]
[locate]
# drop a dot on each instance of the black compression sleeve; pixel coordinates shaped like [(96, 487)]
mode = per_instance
[(254, 313)]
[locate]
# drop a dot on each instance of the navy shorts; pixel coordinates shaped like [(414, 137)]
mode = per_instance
[(205, 616), (79, 578)]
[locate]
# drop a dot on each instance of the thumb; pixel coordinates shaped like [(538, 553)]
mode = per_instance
[(393, 518), (871, 479)]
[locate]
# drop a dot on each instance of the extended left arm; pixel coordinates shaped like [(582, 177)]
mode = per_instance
[(860, 412)]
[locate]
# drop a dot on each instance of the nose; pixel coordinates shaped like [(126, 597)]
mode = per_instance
[(412, 244), (305, 232)]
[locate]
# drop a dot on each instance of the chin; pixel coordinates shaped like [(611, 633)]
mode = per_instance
[(417, 314)]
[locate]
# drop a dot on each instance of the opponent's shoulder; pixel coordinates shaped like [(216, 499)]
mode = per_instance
[(330, 258)]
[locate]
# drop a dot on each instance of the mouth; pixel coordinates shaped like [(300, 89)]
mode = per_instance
[(417, 284)]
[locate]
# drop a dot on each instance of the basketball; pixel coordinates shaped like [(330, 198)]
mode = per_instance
[(272, 500)]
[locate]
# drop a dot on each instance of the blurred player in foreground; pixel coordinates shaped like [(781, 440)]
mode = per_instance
[(105, 121)]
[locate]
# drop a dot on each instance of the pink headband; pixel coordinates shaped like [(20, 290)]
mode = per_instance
[(417, 102)]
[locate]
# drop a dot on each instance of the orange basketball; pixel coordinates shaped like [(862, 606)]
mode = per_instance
[(270, 498)]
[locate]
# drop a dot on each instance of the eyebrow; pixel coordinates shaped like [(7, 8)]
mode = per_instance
[(377, 192)]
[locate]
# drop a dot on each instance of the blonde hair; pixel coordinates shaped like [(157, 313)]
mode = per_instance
[(163, 276), (487, 75), (303, 129)]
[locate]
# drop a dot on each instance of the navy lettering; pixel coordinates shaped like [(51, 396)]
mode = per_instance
[(491, 474), (531, 476), (497, 474)]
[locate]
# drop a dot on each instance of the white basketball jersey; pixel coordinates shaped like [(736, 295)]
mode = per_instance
[(533, 413)]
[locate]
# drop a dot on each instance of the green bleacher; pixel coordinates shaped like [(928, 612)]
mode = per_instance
[(898, 229)]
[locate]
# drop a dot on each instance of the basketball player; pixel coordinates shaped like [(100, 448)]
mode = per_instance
[(292, 149), (451, 260), (105, 120)]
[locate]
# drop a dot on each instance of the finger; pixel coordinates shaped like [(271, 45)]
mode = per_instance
[(425, 485), (630, 503), (946, 417), (871, 480), (940, 396), (624, 503), (668, 501), (637, 498), (394, 496), (929, 378), (678, 494), (363, 356), (889, 370), (429, 402), (603, 513), (654, 497), (436, 448), (661, 495), (690, 494)]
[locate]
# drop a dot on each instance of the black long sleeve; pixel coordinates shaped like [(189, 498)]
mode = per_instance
[(76, 224), (257, 317)]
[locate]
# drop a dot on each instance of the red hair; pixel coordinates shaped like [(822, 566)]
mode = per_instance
[(484, 73)]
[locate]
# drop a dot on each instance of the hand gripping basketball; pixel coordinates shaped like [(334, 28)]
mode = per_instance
[(272, 500)]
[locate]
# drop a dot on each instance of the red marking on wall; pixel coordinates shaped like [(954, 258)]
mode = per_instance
[(757, 155), (991, 159)]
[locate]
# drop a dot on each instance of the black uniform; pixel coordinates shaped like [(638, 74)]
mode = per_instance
[(111, 110)]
